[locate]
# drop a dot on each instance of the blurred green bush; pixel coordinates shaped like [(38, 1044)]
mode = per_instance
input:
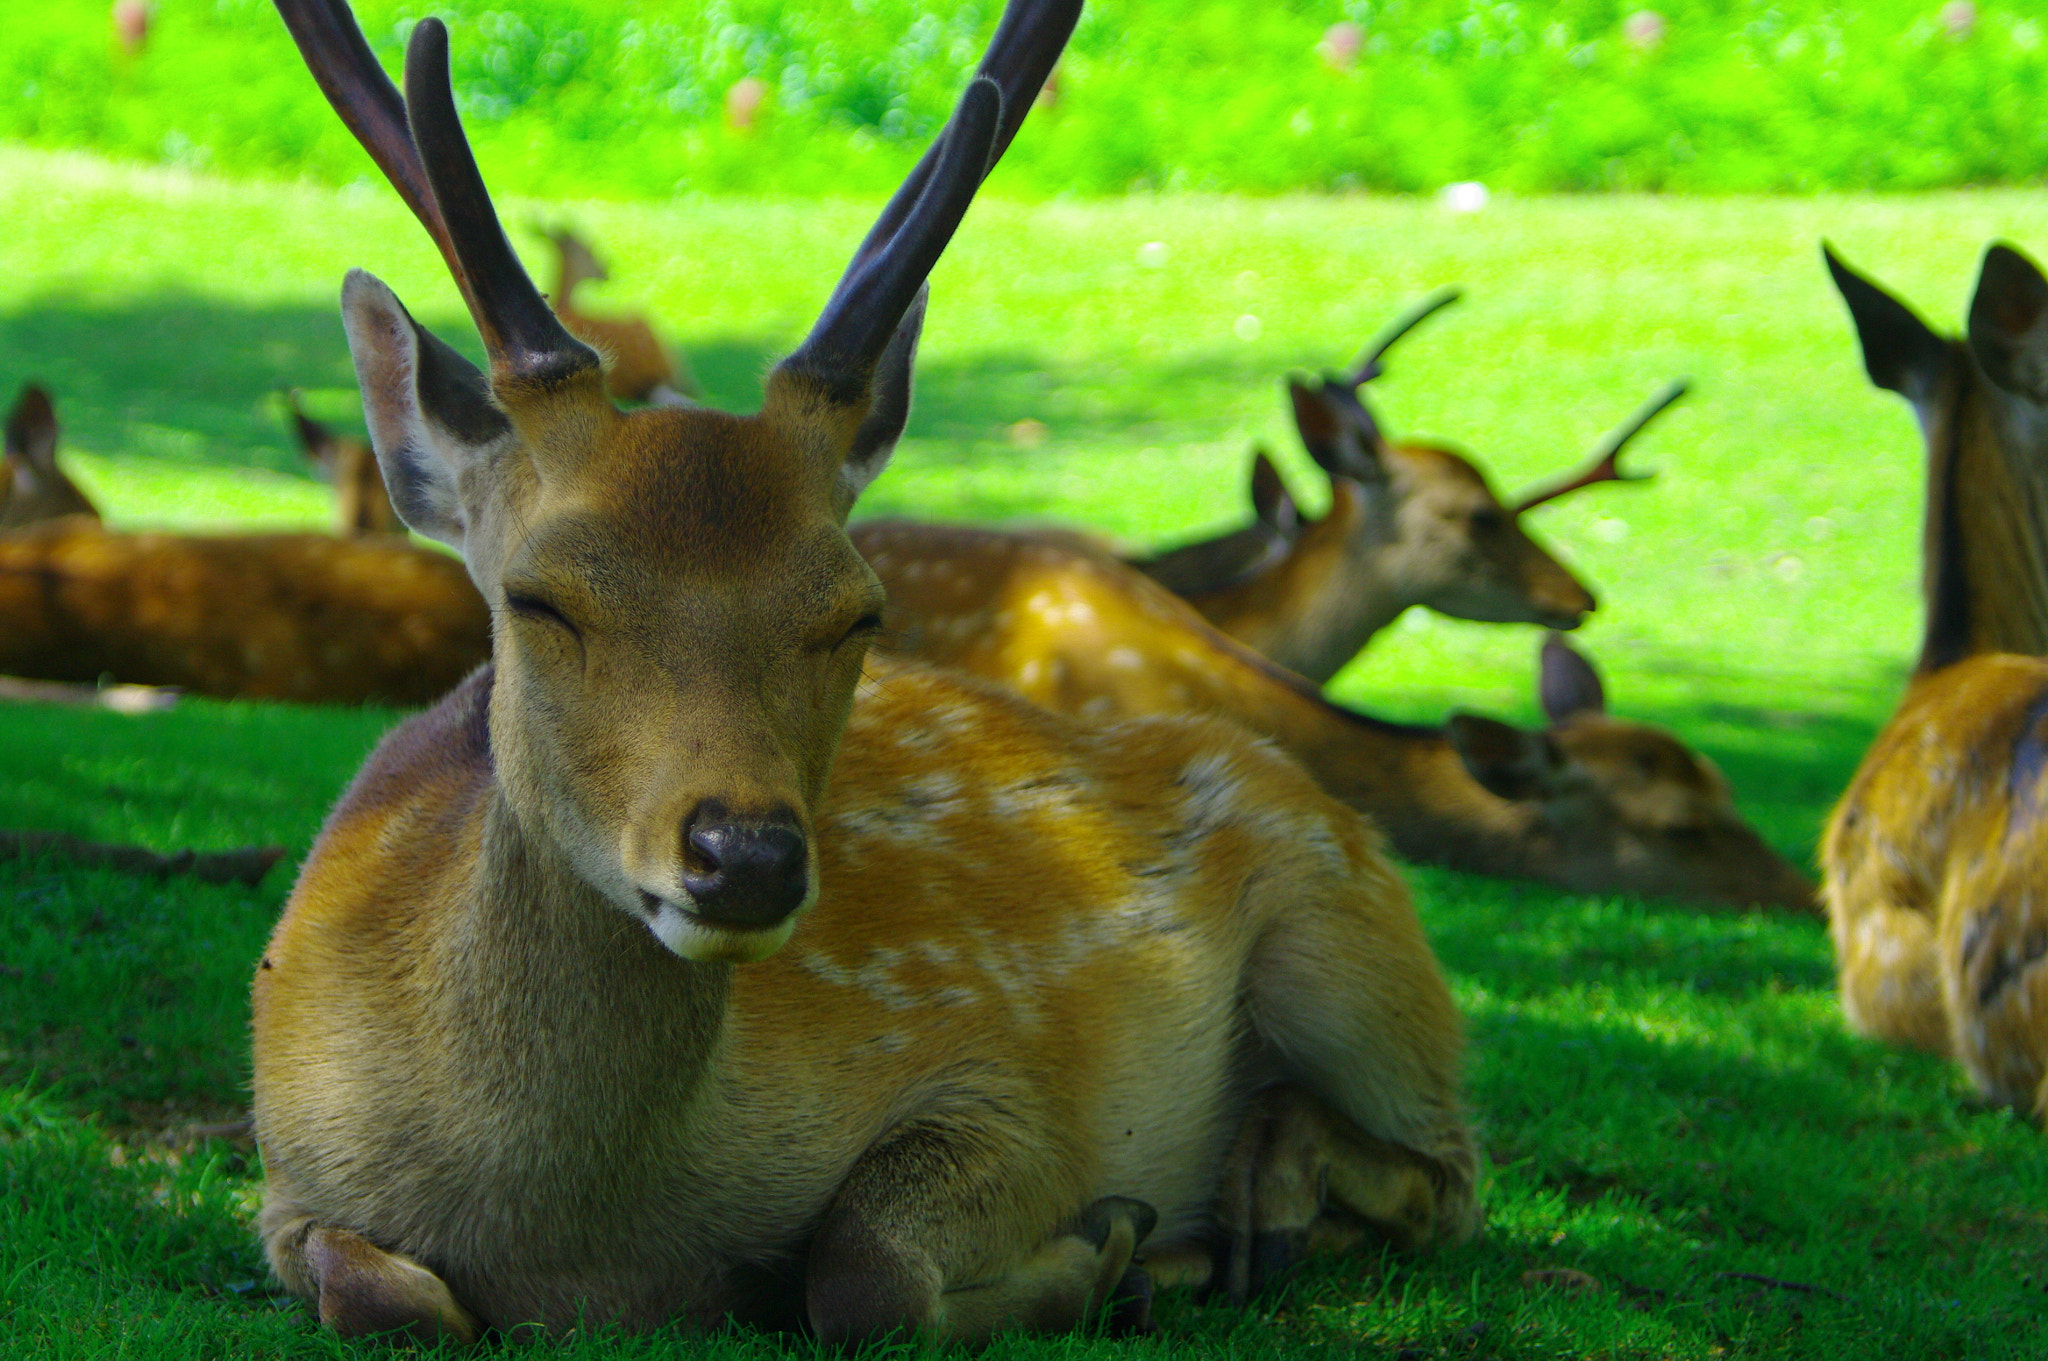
[(627, 98)]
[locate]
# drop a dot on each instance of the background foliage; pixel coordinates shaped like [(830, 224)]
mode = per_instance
[(625, 98)]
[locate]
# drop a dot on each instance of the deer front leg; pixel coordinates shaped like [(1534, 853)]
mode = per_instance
[(917, 1242), (1886, 958), (1994, 955), (359, 1289)]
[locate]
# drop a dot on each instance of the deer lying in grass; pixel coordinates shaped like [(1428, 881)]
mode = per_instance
[(35, 488), (361, 505), (1592, 804), (638, 367), (1409, 524), (596, 1003), (1937, 857)]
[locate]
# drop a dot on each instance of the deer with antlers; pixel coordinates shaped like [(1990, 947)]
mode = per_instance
[(1591, 803), (35, 488), (1937, 855), (597, 1001), (1409, 524), (638, 367), (361, 505)]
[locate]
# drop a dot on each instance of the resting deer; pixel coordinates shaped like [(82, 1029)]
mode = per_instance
[(596, 1002), (1409, 524), (361, 504), (1937, 856), (1592, 804), (638, 367), (35, 487)]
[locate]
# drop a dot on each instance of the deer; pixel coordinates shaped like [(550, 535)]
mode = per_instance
[(361, 504), (639, 367), (1934, 858), (1590, 803), (1409, 524), (35, 487), (686, 964)]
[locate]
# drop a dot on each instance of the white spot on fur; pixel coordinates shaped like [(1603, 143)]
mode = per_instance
[(1126, 658)]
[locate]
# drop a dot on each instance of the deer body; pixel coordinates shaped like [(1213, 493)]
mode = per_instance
[(596, 1001), (1936, 856), (302, 617), (1595, 804), (361, 505)]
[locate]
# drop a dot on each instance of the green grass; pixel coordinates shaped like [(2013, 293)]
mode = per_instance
[(1669, 1098), (626, 99)]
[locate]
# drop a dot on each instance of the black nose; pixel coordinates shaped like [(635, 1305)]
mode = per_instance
[(743, 873)]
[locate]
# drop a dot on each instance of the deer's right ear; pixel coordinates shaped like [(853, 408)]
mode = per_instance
[(429, 410), (1566, 682), (1330, 433), (2009, 323), (889, 404), (1272, 504), (1899, 351), (1506, 761), (32, 431)]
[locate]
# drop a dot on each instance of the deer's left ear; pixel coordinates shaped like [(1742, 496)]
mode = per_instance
[(1566, 682), (1899, 351), (889, 409), (2009, 323), (32, 431), (1506, 761)]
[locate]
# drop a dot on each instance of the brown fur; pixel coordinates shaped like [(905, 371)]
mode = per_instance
[(303, 617), (32, 486), (1937, 856), (1609, 806)]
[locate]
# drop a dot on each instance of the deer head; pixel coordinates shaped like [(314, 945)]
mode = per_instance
[(680, 617), (1983, 410), (1617, 796), (35, 487)]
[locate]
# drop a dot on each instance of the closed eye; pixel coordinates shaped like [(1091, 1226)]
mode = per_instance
[(867, 626), (533, 607)]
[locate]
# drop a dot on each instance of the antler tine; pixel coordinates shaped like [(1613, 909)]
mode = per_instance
[(1605, 465), (417, 141), (1368, 366), (920, 218)]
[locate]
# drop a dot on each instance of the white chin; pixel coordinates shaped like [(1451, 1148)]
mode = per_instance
[(697, 940)]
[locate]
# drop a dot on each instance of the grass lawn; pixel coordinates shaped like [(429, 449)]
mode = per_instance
[(1669, 1099)]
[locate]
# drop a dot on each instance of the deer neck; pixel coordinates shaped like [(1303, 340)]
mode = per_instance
[(1314, 609), (1985, 537)]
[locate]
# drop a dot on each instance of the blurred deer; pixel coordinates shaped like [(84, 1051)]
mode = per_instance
[(1937, 855), (596, 1004), (1592, 804), (35, 487), (1409, 524), (638, 367), (361, 504)]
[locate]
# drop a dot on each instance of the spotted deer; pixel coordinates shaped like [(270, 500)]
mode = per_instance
[(1936, 859), (638, 367), (597, 1001), (1409, 524), (35, 488), (1591, 803), (361, 505)]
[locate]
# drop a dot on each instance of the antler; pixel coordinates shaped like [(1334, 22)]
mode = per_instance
[(1605, 465), (900, 250), (1367, 367), (417, 141)]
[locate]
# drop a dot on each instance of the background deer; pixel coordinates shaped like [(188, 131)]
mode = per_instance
[(361, 504), (1937, 855), (594, 1003), (638, 367), (1409, 524), (35, 487), (1592, 804)]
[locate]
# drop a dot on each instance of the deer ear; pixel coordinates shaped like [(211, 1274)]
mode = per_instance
[(1272, 504), (32, 431), (1899, 351), (2009, 323), (889, 406), (1566, 682), (1506, 761), (1328, 433), (429, 410)]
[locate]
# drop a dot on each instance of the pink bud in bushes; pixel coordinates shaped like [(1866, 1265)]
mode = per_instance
[(743, 103), (1959, 17), (131, 25), (1341, 45), (1644, 29)]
